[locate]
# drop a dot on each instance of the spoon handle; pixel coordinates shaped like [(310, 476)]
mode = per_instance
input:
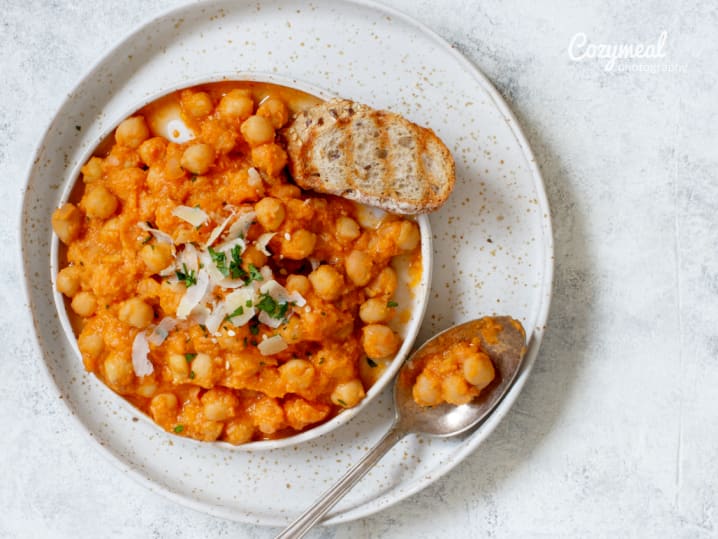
[(326, 501)]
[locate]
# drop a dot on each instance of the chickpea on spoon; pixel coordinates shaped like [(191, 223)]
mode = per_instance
[(425, 407)]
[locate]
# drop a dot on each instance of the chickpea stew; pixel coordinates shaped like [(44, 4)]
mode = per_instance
[(211, 292)]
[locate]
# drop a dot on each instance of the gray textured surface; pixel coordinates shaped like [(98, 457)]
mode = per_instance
[(616, 432)]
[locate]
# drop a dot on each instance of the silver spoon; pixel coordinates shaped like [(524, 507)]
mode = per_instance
[(502, 338)]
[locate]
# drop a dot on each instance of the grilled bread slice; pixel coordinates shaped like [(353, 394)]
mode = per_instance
[(372, 156)]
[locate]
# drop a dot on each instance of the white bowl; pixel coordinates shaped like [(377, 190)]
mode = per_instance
[(415, 297)]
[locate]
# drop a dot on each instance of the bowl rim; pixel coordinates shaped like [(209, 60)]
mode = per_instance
[(420, 291)]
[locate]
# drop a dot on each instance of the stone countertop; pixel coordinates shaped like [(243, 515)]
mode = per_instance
[(616, 431)]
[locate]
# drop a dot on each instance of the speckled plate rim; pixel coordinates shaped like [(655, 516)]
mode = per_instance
[(396, 495)]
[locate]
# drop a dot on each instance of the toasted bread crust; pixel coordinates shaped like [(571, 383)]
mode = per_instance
[(375, 157)]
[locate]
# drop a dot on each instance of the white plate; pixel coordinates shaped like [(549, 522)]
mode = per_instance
[(493, 249)]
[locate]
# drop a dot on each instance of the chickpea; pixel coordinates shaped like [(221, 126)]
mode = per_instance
[(348, 394), (197, 104), (163, 408), (297, 374), (91, 344), (371, 370), (132, 132), (236, 105), (68, 281), (84, 304), (347, 229), (374, 310), (238, 431), (118, 370), (92, 171), (202, 368), (198, 158), (285, 190), (383, 284), (293, 331), (270, 158), (178, 365), (219, 404), (300, 413), (257, 130), (478, 370), (327, 282), (267, 415), (298, 283), (100, 203), (358, 267), (408, 237), (66, 222), (270, 213), (456, 390), (300, 244), (426, 390), (147, 387), (136, 313), (156, 257), (379, 341), (254, 256), (275, 110), (152, 150)]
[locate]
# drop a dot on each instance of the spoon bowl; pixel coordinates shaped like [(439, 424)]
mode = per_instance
[(501, 337)]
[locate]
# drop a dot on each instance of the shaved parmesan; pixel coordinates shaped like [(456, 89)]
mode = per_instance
[(217, 232), (240, 298), (194, 216), (267, 320), (281, 294), (230, 244), (266, 272), (162, 330), (199, 314), (262, 242), (216, 317), (193, 295), (140, 350), (241, 226), (161, 237), (253, 177), (186, 261), (272, 345), (177, 131)]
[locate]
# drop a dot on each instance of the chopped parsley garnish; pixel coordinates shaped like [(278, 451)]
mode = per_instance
[(191, 375), (187, 276), (239, 311), (249, 303), (254, 274), (371, 362), (392, 304), (254, 329), (179, 428), (193, 178), (340, 401), (189, 357), (220, 260), (235, 266), (272, 307)]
